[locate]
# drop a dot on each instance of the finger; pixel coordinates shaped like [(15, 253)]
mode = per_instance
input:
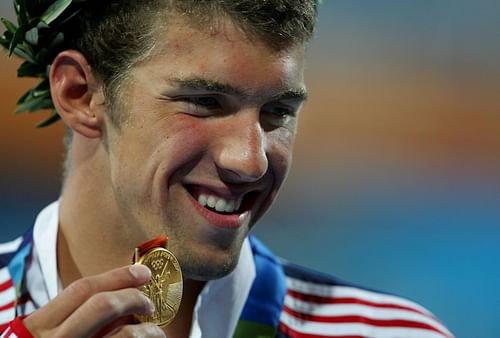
[(111, 327), (54, 313), (103, 308), (139, 330)]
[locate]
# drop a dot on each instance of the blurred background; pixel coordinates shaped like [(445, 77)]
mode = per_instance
[(396, 179)]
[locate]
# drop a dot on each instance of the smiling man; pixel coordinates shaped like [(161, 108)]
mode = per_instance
[(181, 119)]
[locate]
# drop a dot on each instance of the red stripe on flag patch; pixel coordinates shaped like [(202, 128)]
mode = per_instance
[(365, 320), (7, 306), (296, 334), (23, 299), (328, 300), (5, 285)]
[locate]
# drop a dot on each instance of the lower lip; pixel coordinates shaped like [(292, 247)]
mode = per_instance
[(221, 221)]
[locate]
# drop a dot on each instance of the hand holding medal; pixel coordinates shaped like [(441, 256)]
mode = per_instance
[(165, 286)]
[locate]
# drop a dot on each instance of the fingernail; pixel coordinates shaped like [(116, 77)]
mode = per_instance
[(140, 271)]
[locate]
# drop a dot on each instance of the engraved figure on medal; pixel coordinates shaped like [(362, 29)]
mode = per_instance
[(165, 287)]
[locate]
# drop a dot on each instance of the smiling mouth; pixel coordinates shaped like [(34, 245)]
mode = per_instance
[(223, 205)]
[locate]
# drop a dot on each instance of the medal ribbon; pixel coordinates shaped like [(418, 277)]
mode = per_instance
[(160, 241)]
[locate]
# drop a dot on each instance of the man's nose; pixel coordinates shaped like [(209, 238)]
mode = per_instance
[(241, 152)]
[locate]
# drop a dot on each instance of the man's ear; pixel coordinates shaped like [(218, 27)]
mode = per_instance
[(76, 93)]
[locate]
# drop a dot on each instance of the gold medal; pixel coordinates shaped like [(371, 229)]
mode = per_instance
[(165, 287)]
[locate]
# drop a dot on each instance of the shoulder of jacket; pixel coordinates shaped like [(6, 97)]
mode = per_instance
[(265, 301)]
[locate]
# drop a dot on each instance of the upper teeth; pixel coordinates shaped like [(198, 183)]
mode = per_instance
[(220, 204)]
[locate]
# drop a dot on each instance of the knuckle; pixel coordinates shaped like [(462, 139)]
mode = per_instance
[(138, 295), (82, 288), (138, 298), (130, 331), (105, 304)]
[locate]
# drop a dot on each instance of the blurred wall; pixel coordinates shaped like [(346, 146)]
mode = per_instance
[(396, 183)]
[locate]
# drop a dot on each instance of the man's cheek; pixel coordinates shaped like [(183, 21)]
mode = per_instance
[(280, 152)]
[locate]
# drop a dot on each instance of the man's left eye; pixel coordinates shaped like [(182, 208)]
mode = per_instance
[(204, 101), (278, 111)]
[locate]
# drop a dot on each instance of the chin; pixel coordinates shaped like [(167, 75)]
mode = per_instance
[(205, 266)]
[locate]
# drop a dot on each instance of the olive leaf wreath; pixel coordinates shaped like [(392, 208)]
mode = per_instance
[(37, 39)]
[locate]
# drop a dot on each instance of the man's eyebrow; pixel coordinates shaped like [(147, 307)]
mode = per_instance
[(299, 94), (202, 84)]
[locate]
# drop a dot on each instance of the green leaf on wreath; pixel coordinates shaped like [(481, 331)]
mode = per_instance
[(9, 25), (25, 52), (32, 36), (18, 38), (57, 41), (43, 85), (22, 14), (55, 10), (34, 105), (31, 69), (53, 118)]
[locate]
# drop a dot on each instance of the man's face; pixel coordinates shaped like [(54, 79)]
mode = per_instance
[(207, 142)]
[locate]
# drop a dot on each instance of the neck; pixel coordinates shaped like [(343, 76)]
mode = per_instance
[(181, 325)]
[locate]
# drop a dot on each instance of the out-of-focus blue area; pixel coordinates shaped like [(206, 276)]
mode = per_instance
[(20, 203)]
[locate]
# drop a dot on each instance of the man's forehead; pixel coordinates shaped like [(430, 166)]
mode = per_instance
[(193, 57), (177, 29)]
